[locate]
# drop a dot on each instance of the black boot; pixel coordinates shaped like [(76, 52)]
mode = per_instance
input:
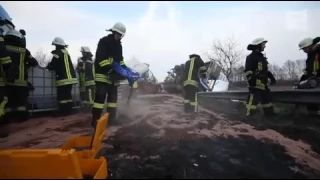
[(188, 108)]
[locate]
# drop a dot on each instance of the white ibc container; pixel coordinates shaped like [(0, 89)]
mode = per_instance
[(213, 70), (44, 95)]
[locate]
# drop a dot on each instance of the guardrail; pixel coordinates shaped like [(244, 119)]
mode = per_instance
[(294, 96)]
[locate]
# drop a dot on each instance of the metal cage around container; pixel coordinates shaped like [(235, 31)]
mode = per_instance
[(44, 96)]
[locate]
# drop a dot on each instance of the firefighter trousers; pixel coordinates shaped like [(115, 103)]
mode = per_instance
[(263, 97), (103, 90), (190, 99), (64, 99), (83, 98), (89, 95), (17, 103)]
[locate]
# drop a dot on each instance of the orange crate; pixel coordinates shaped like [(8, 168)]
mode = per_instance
[(49, 164), (82, 144)]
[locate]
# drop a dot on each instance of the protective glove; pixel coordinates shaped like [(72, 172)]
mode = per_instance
[(252, 81), (134, 76), (126, 72), (204, 84), (271, 77), (273, 82), (303, 77), (30, 86)]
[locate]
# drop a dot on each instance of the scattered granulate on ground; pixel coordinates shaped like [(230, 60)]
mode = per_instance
[(154, 138)]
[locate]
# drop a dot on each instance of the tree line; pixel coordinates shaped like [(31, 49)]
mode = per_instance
[(230, 57)]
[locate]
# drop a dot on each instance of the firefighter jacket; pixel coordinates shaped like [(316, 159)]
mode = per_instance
[(61, 63), (5, 61), (86, 71), (194, 69), (313, 62), (256, 70), (108, 51), (22, 59)]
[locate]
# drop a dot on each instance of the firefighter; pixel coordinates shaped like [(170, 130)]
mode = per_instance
[(310, 47), (18, 90), (257, 73), (195, 80), (109, 70), (65, 75), (88, 76), (7, 69), (81, 77)]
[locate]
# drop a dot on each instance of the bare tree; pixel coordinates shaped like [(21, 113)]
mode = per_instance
[(227, 55), (238, 74), (41, 57), (290, 68), (277, 71), (300, 66)]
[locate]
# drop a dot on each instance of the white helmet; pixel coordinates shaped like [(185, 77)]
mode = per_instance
[(119, 28), (85, 49), (258, 41), (15, 33), (305, 42), (6, 21), (58, 41)]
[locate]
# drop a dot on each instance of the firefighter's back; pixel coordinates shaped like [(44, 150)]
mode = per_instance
[(63, 67)]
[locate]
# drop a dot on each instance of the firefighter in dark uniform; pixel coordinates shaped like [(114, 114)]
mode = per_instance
[(109, 70), (312, 49), (7, 68), (18, 90), (194, 77), (257, 73), (30, 86), (65, 75), (81, 77), (87, 78)]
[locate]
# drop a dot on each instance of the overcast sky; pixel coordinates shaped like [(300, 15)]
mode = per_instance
[(163, 34)]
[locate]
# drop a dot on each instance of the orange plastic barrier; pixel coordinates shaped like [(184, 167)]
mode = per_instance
[(89, 147), (78, 158), (50, 164)]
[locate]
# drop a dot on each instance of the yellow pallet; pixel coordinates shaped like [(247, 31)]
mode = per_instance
[(49, 164), (82, 144)]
